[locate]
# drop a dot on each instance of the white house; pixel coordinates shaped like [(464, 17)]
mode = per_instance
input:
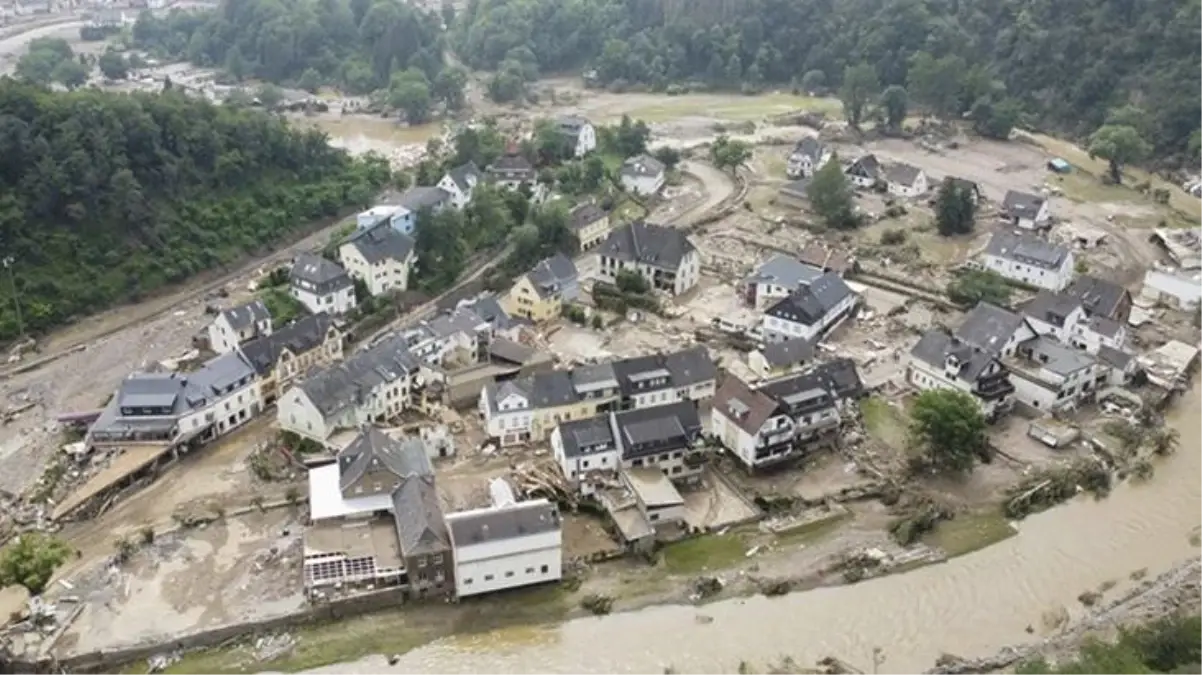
[(581, 134), (807, 156), (994, 330), (1030, 260), (777, 278), (1172, 289), (905, 180), (506, 545), (664, 256), (380, 256), (321, 285), (752, 425), (239, 324), (1064, 317), (1050, 376), (941, 361), (865, 171), (381, 213), (460, 182), (642, 175), (1026, 210), (809, 312)]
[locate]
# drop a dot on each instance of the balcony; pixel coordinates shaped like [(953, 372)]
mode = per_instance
[(994, 388)]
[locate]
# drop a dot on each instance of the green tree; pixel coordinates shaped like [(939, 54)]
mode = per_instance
[(669, 156), (449, 87), (974, 286), (1118, 145), (30, 561), (860, 87), (948, 427), (310, 80), (71, 73), (937, 83), (994, 119), (955, 208), (549, 145), (113, 65), (894, 101), (727, 154), (235, 63), (629, 281), (409, 91), (1166, 645), (269, 95), (831, 196), (814, 81)]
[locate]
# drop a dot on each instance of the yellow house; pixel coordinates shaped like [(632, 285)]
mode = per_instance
[(590, 225), (539, 294), (287, 354)]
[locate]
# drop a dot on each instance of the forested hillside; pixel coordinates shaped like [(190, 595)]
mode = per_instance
[(104, 197), (1066, 64)]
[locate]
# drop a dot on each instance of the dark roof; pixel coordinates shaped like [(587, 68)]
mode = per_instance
[(902, 174), (798, 188), (842, 376), (1098, 296), (1050, 307), (1114, 358), (936, 346), (683, 368), (782, 270), (381, 242), (488, 308), (1027, 249), (788, 352), (742, 405), (297, 337), (508, 350), (348, 382), (585, 214), (642, 166), (656, 426), (809, 147), (988, 327), (247, 314), (373, 448), (462, 174), (809, 304), (420, 526), (509, 522), (588, 435), (571, 124), (801, 393), (511, 163), (868, 165), (552, 274), (1104, 325), (649, 244), (317, 270), (418, 198), (1022, 204)]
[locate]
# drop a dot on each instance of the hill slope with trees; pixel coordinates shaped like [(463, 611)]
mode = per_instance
[(105, 197), (1061, 65)]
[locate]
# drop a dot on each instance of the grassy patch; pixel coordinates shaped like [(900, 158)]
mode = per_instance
[(627, 211), (969, 532), (706, 553), (731, 107), (884, 422)]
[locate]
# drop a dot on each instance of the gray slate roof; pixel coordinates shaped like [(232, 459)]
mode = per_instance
[(498, 524), (902, 173), (583, 215), (987, 327), (642, 166), (297, 337), (788, 352), (489, 309), (810, 303), (1098, 296), (1105, 326), (347, 383), (809, 147), (464, 174), (685, 368), (648, 243), (420, 526), (382, 242), (373, 448), (418, 198), (935, 346), (655, 426), (247, 314), (868, 165), (512, 164), (1050, 307), (589, 435), (571, 125), (1022, 204), (1027, 249), (319, 271), (1061, 359), (1115, 358), (783, 270), (552, 275)]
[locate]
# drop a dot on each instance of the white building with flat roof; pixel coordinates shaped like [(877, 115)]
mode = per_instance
[(506, 545)]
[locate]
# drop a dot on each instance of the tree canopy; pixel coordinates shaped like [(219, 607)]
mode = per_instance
[(831, 196), (1167, 645), (947, 426), (105, 197), (955, 208), (30, 561), (973, 286)]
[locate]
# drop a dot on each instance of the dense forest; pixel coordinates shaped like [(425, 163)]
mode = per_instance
[(105, 197), (1063, 65)]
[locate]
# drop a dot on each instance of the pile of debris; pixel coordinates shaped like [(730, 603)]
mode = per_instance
[(1044, 489)]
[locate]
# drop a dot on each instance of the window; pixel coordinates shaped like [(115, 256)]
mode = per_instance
[(467, 581), (421, 562), (488, 577), (529, 570), (509, 574), (437, 558), (653, 517), (544, 569)]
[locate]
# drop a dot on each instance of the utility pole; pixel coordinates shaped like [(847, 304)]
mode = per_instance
[(12, 283)]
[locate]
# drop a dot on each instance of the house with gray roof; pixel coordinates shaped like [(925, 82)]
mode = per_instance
[(943, 361), (541, 293), (809, 312), (1050, 376), (506, 545), (460, 183), (642, 175), (1029, 259), (287, 354), (460, 332), (511, 171), (1025, 210), (381, 257), (775, 359), (236, 325), (321, 285), (865, 171), (662, 255), (995, 330), (590, 223), (579, 132), (905, 180), (807, 156), (1101, 297), (776, 278)]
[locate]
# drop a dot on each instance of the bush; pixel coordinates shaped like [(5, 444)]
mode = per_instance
[(893, 237), (30, 561)]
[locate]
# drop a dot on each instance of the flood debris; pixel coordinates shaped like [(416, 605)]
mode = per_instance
[(597, 603), (1046, 488)]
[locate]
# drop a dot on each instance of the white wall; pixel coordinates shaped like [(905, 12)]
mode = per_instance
[(509, 562), (386, 275), (296, 413), (228, 412), (687, 274), (1052, 280), (743, 444), (643, 185), (339, 302), (458, 199), (1172, 290), (221, 337), (918, 188), (922, 376), (510, 422), (576, 468), (778, 330), (586, 140), (663, 515)]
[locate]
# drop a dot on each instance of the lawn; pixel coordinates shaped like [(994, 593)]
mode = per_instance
[(885, 422), (705, 553), (732, 107), (969, 532)]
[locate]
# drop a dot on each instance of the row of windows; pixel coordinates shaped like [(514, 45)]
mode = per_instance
[(509, 574)]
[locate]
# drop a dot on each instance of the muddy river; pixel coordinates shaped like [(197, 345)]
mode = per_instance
[(971, 606)]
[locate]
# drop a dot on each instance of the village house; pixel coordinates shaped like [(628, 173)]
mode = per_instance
[(777, 359), (282, 357), (942, 361), (179, 408), (664, 256), (590, 224), (1172, 289), (460, 182), (349, 543), (994, 330), (373, 385), (511, 171), (642, 175), (807, 156), (541, 293), (865, 172), (236, 325), (380, 256), (460, 334), (1050, 377), (1063, 316), (1025, 210), (508, 544), (1101, 297), (393, 214), (417, 199), (665, 437), (777, 278), (527, 409), (580, 133), (809, 312), (1030, 260), (321, 285), (905, 180), (645, 505)]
